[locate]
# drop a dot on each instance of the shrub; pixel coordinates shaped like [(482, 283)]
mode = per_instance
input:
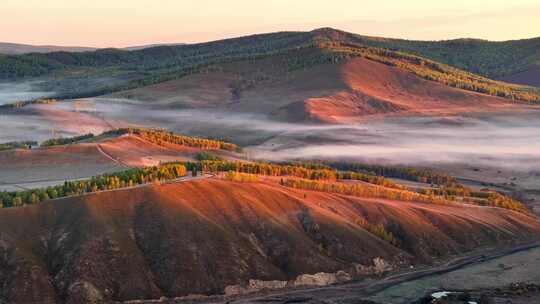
[(241, 177)]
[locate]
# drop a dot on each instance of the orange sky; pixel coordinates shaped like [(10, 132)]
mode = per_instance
[(104, 23)]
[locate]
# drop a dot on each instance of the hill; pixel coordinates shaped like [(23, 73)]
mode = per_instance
[(530, 76), (7, 48), (492, 59), (199, 237), (345, 91), (139, 68)]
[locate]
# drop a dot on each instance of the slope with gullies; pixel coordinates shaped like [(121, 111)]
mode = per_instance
[(199, 237), (348, 90)]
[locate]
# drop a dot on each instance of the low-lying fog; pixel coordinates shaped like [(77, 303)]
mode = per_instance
[(20, 91), (506, 140)]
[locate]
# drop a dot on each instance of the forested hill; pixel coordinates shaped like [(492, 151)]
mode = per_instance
[(492, 59), (487, 58), (155, 57), (137, 68)]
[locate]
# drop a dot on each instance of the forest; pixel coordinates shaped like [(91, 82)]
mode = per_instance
[(492, 59), (421, 175), (322, 177), (156, 136), (160, 58), (362, 190)]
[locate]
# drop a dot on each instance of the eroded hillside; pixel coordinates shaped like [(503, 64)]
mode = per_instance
[(199, 237)]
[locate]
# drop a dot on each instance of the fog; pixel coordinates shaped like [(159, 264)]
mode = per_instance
[(21, 91), (502, 140), (506, 140)]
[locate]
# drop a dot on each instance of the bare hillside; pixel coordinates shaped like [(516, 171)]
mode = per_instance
[(199, 237)]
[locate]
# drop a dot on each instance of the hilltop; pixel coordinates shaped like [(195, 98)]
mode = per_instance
[(133, 69), (8, 48)]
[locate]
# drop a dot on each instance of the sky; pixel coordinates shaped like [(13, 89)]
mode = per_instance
[(121, 23)]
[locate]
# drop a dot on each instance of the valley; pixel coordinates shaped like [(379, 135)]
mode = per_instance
[(283, 167)]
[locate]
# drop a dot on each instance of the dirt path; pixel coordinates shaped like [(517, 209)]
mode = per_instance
[(107, 155)]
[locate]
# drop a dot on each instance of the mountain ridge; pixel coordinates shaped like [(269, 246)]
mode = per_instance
[(11, 48), (154, 65)]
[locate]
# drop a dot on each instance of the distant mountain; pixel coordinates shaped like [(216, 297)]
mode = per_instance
[(7, 48), (18, 49), (141, 47)]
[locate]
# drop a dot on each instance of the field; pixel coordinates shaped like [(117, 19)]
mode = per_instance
[(30, 169)]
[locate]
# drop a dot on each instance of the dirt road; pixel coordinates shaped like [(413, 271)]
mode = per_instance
[(363, 289)]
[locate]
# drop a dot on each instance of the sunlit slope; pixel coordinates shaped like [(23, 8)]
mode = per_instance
[(198, 237), (350, 89)]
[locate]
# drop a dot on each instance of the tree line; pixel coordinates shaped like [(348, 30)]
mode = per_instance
[(261, 168), (309, 177), (439, 72), (160, 59), (60, 141), (21, 104), (111, 181), (17, 145), (156, 136), (361, 190), (160, 137), (421, 175)]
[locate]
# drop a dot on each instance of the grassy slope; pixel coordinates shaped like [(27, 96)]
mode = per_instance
[(198, 237)]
